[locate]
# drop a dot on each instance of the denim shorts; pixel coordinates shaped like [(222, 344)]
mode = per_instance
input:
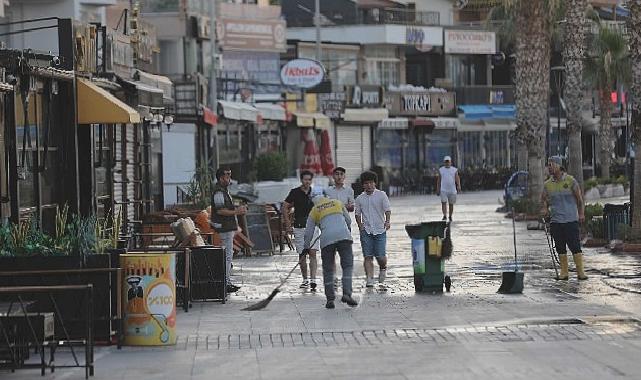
[(373, 245)]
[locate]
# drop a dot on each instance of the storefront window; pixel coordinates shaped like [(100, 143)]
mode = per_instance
[(441, 143), (389, 147), (497, 148), (466, 70), (382, 65), (102, 163), (470, 150), (268, 138)]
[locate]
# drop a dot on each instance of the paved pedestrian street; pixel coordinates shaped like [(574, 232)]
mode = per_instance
[(569, 330)]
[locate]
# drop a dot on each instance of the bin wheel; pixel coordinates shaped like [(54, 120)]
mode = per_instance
[(448, 283)]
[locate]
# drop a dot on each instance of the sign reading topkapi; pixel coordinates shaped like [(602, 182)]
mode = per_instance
[(419, 103)]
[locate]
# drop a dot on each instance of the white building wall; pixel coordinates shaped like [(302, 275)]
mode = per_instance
[(47, 39), (178, 158)]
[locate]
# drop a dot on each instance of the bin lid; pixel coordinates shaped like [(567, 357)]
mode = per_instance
[(425, 229), (610, 207)]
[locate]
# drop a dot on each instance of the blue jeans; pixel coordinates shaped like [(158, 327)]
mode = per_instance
[(344, 249), (373, 245)]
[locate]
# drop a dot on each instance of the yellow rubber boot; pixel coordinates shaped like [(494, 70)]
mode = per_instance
[(563, 260), (578, 261)]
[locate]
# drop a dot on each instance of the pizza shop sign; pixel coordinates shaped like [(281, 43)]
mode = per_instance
[(303, 73)]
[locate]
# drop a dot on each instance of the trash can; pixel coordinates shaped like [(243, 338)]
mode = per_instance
[(613, 215), (149, 298), (430, 247)]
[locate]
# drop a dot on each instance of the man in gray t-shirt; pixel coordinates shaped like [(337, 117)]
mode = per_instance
[(563, 202)]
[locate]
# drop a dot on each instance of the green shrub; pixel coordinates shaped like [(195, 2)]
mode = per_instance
[(271, 166), (605, 181), (595, 209), (622, 180), (595, 227), (591, 183), (526, 206)]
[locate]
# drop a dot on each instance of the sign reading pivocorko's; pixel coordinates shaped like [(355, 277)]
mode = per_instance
[(469, 42), (302, 72)]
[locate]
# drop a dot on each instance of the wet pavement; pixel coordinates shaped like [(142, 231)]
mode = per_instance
[(585, 329)]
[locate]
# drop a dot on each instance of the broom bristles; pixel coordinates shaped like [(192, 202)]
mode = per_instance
[(262, 304)]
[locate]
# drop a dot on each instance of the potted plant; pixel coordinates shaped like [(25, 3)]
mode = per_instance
[(591, 189)]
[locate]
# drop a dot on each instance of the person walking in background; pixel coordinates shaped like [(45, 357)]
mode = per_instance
[(373, 211), (339, 191), (448, 185), (562, 202), (332, 218), (300, 199), (223, 219)]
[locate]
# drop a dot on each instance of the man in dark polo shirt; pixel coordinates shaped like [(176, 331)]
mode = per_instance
[(300, 199)]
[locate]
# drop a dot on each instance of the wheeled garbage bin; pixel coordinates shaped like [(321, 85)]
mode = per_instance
[(431, 245)]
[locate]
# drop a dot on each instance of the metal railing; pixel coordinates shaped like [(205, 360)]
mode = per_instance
[(470, 95), (374, 16)]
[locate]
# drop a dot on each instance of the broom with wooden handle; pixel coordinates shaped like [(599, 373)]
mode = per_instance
[(263, 304)]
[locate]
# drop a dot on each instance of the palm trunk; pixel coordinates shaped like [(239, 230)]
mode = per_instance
[(634, 36), (521, 148), (605, 133), (573, 54), (532, 86)]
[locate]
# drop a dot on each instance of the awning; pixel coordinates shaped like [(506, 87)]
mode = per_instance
[(480, 112), (423, 122), (394, 123), (209, 116), (158, 81), (445, 122), (238, 111), (365, 115), (97, 106), (271, 111), (318, 120), (147, 95)]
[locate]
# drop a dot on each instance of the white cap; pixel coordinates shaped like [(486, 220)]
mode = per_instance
[(447, 158)]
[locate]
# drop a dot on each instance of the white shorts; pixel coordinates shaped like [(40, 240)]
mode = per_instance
[(299, 240), (448, 198)]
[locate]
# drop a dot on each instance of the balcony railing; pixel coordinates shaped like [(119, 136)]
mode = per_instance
[(470, 95), (375, 16)]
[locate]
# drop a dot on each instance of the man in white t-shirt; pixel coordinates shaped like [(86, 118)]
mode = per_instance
[(448, 184)]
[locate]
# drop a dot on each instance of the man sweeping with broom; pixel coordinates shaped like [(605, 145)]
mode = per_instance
[(331, 216), (562, 201)]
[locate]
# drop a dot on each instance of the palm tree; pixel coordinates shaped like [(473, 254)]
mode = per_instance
[(533, 47), (573, 54), (532, 81), (607, 66), (634, 38)]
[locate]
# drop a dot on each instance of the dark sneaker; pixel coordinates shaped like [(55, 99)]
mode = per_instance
[(232, 288), (312, 285), (329, 305), (444, 217), (349, 300)]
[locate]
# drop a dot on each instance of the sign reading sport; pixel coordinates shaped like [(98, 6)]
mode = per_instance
[(302, 72)]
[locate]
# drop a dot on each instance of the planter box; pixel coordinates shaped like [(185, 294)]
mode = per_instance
[(592, 195), (22, 263), (617, 190), (631, 247), (593, 243), (601, 189)]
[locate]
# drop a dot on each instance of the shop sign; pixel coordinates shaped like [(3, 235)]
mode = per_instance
[(332, 104), (85, 47), (423, 103), (469, 42), (251, 34), (302, 72), (364, 96)]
